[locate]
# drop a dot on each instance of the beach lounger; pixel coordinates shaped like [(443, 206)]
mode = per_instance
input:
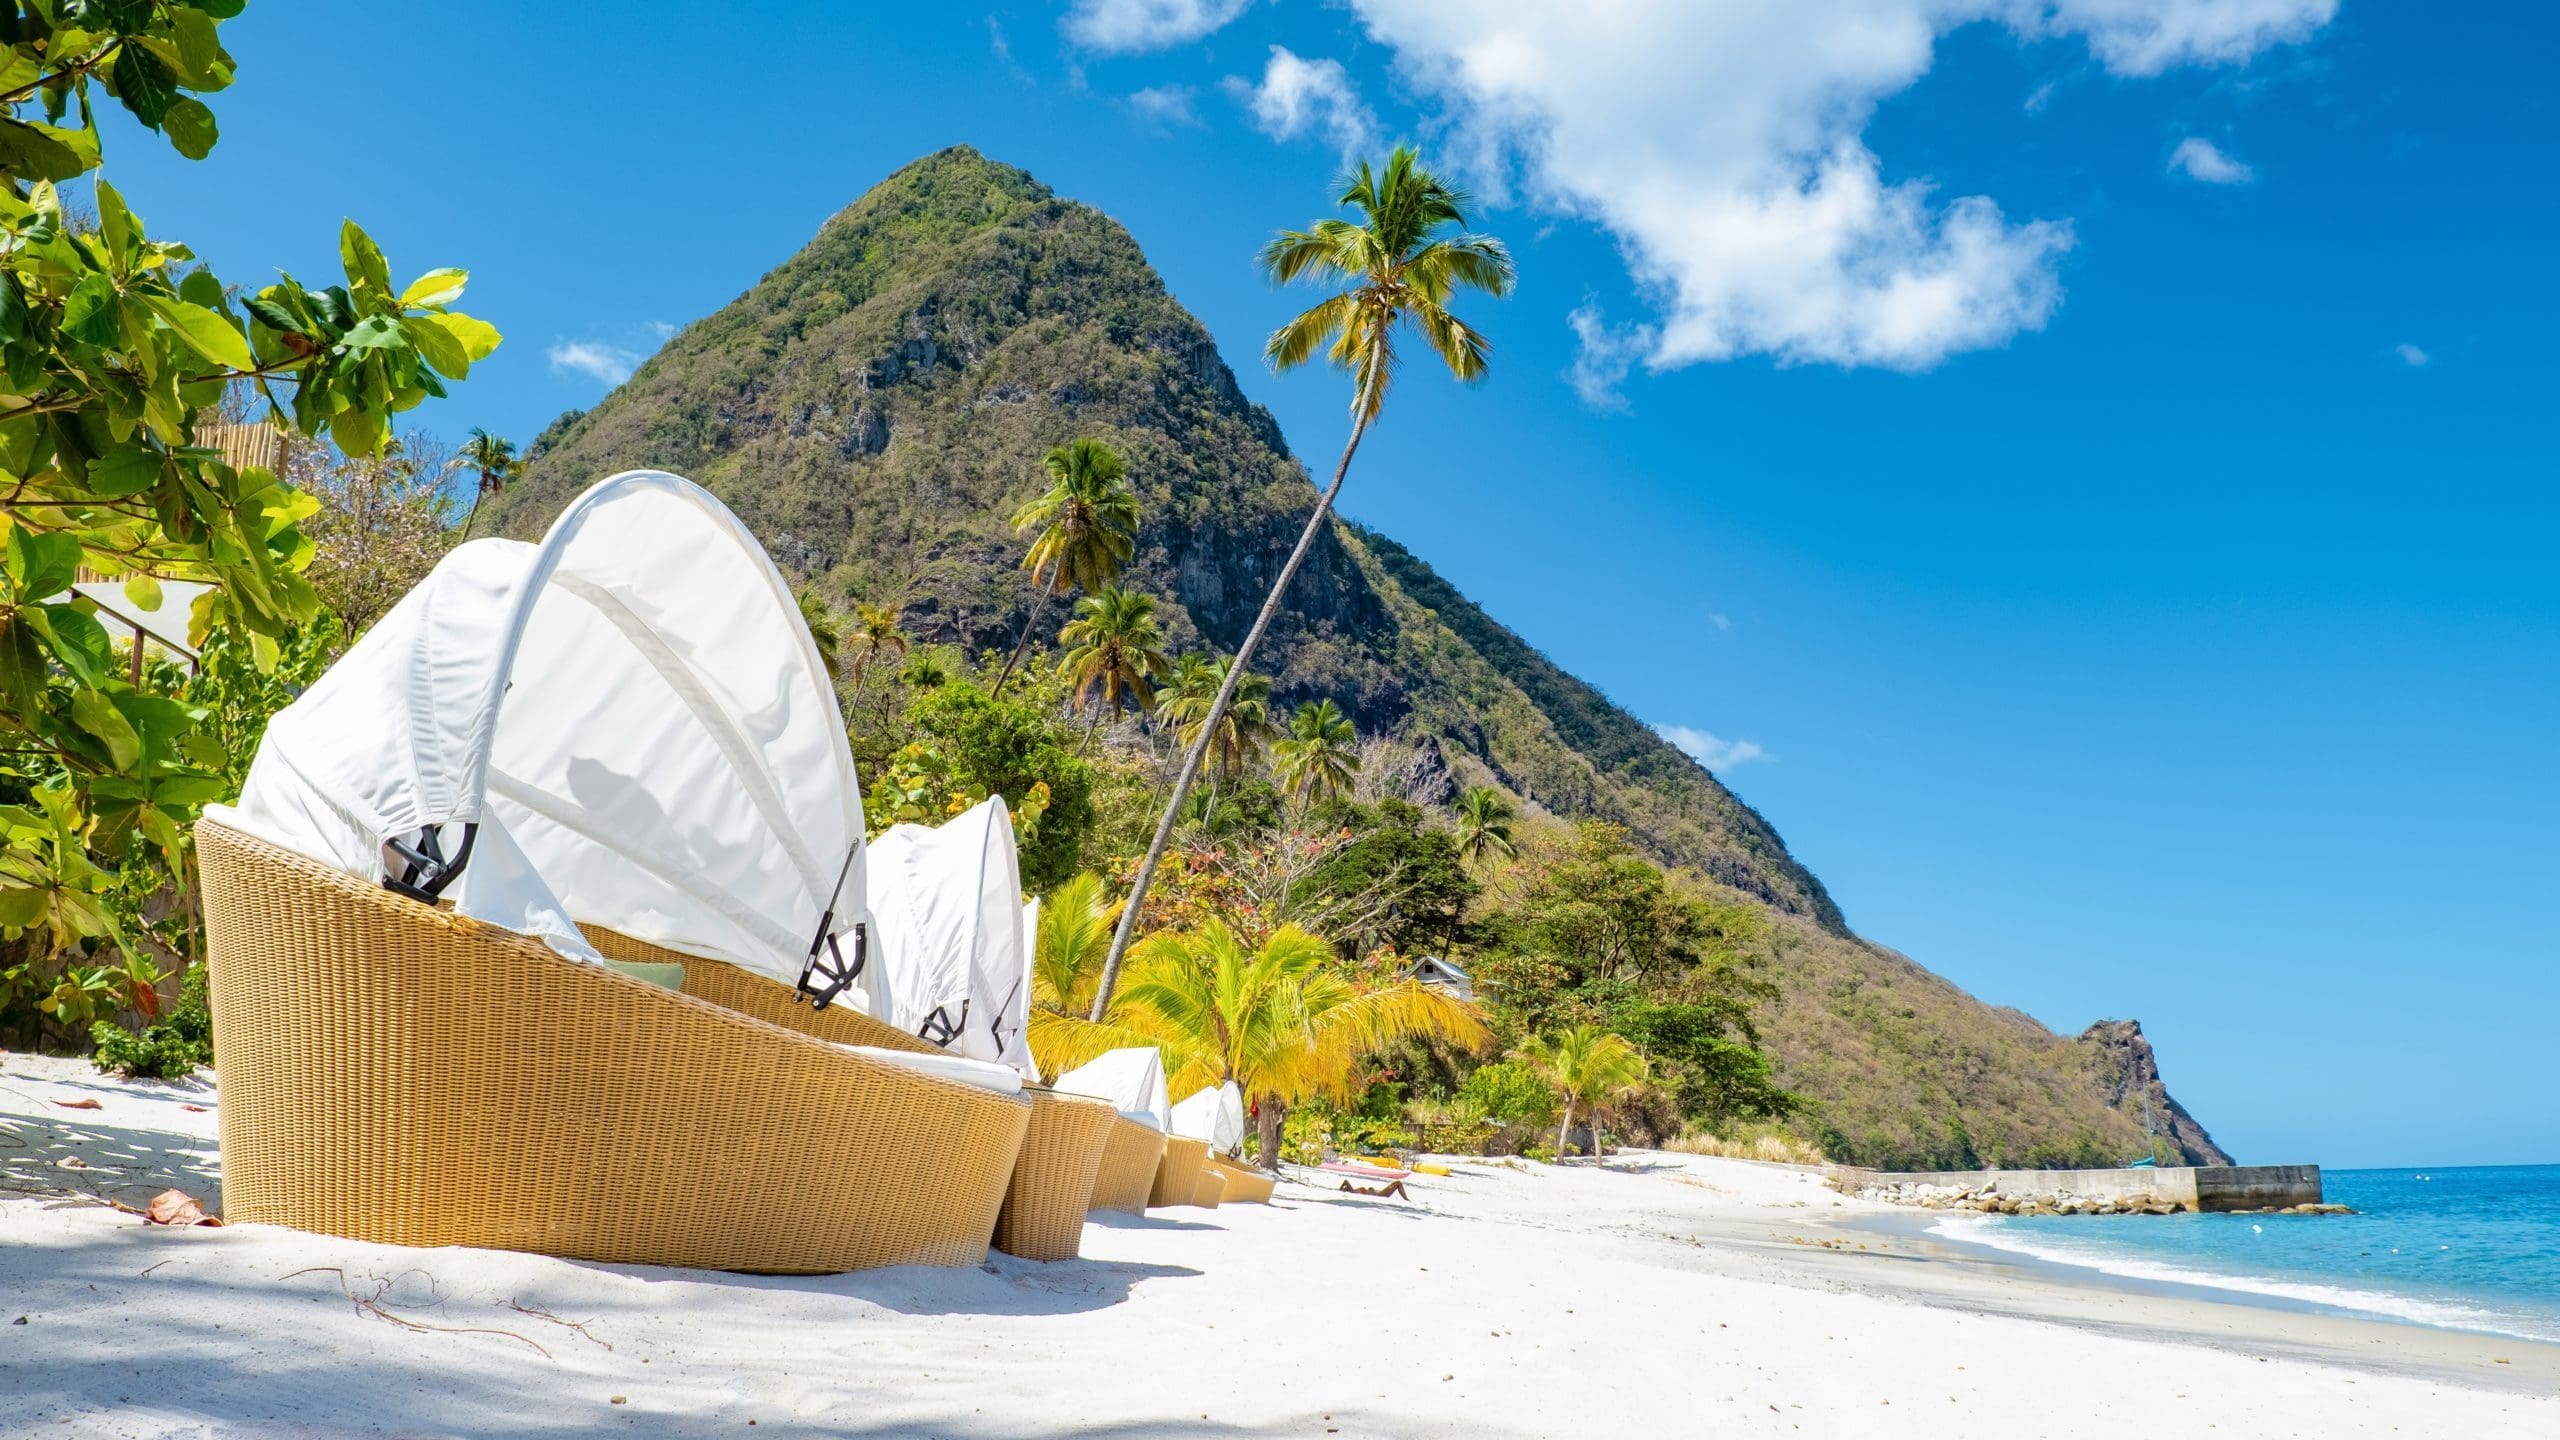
[(397, 1073), (1178, 1173), (626, 726), (1131, 1080), (1245, 1185)]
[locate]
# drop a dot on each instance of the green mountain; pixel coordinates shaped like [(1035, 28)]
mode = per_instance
[(876, 406)]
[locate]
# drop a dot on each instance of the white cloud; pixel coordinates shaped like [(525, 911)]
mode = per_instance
[(1709, 749), (1719, 619), (1299, 96), (663, 329), (2201, 159), (2410, 355), (1724, 147), (1128, 26), (2039, 98), (610, 364), (1167, 106)]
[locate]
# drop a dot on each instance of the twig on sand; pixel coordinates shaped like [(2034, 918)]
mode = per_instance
[(538, 1313), (372, 1305)]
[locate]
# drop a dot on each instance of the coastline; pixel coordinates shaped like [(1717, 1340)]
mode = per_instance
[(1666, 1292)]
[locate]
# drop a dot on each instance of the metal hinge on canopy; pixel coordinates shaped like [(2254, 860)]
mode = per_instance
[(940, 1028), (425, 870), (826, 974)]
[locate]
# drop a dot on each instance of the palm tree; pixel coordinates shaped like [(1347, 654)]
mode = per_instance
[(1321, 754), (1484, 824), (824, 631), (1066, 954), (1399, 265), (1590, 1068), (876, 637), (1115, 647), (1089, 528), (496, 462), (1280, 1020), (1239, 734)]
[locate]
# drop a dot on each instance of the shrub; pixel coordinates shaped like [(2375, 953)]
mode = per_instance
[(1511, 1092), (170, 1049)]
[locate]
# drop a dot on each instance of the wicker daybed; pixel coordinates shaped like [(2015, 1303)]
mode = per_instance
[(398, 1073), (1245, 1185), (1052, 1178)]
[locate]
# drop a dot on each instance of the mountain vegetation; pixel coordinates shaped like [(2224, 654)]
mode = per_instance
[(1400, 773)]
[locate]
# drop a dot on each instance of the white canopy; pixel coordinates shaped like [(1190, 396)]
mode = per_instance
[(1132, 1079), (631, 713), (1215, 1115), (950, 960)]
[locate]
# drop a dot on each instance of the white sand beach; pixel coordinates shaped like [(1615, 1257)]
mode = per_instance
[(1664, 1294)]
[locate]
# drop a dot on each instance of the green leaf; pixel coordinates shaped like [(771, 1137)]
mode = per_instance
[(191, 128), (92, 711), (222, 9), (198, 48), (40, 565), (206, 333), (478, 337), (75, 638), (22, 907), (367, 271), (359, 431), (127, 471), (45, 152), (143, 591), (437, 347), (436, 287), (145, 85), (117, 227), (89, 313), (198, 287), (374, 332)]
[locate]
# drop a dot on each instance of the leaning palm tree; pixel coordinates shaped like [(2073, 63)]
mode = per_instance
[(1590, 1068), (1399, 264), (1088, 522), (1484, 824), (1280, 1020), (1066, 953), (1321, 754), (495, 461), (1116, 647)]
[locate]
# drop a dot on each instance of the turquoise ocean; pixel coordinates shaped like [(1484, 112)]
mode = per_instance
[(2464, 1248)]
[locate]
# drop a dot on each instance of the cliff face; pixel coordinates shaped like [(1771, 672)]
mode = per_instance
[(876, 406), (2128, 1078)]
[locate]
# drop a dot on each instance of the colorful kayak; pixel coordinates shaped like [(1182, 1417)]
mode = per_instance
[(1366, 1172)]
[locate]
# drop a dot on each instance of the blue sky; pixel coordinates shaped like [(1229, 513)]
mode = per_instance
[(2132, 590)]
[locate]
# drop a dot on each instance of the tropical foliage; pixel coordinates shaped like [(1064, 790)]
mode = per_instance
[(1088, 524), (1590, 1070), (1284, 1019), (117, 345), (1321, 754), (1114, 649)]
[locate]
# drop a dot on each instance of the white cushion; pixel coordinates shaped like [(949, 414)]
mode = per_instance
[(983, 1074)]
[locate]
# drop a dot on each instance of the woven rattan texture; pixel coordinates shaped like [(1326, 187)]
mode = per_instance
[(395, 1073), (1245, 1185), (1044, 1212), (1129, 1164), (1178, 1174)]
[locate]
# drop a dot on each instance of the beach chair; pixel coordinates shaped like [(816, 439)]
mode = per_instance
[(1131, 1080), (1244, 1185), (629, 725)]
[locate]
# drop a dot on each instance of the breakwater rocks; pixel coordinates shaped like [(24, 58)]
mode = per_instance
[(2134, 1190)]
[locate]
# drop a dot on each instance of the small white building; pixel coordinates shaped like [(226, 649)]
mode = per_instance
[(1436, 970)]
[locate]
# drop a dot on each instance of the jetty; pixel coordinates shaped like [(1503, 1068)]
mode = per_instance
[(2144, 1189)]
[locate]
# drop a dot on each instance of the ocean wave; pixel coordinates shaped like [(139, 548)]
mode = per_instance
[(1989, 1230)]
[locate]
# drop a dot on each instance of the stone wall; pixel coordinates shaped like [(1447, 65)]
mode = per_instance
[(2163, 1190)]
